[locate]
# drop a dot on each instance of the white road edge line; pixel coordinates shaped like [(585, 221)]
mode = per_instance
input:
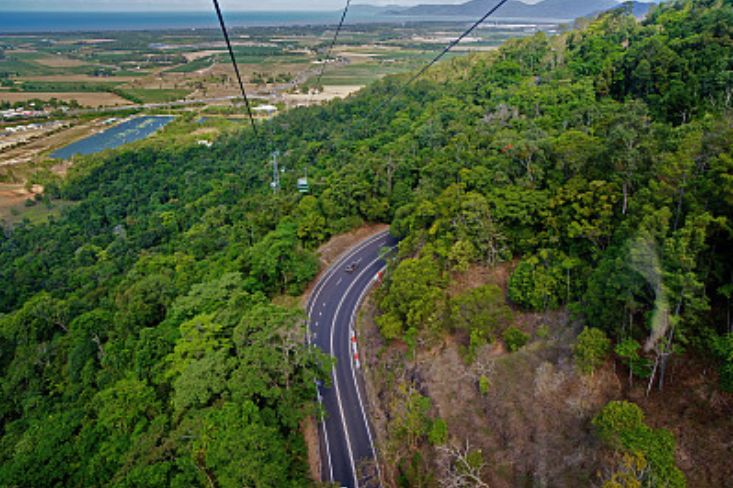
[(333, 371), (328, 446), (313, 299), (337, 265), (323, 422), (352, 326)]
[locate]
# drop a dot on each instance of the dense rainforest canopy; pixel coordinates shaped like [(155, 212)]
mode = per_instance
[(139, 341)]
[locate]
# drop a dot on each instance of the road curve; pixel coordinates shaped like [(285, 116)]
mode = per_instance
[(346, 441)]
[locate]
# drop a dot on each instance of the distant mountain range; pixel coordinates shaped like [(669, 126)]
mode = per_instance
[(546, 9)]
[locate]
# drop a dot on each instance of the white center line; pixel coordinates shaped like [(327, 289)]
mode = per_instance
[(320, 285), (335, 377)]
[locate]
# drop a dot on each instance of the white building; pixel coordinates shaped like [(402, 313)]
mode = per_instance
[(265, 109)]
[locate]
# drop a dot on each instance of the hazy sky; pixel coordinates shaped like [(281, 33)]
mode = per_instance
[(196, 5)]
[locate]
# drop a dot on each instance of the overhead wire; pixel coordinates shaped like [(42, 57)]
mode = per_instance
[(440, 55), (234, 63), (333, 42)]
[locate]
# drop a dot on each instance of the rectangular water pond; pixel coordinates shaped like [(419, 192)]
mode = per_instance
[(126, 132)]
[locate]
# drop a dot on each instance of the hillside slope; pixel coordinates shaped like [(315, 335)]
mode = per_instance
[(546, 9), (140, 339)]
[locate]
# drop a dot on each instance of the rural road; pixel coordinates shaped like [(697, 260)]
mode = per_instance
[(346, 441)]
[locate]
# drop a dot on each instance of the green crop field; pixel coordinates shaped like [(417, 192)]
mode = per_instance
[(24, 68), (66, 86), (145, 95), (196, 65)]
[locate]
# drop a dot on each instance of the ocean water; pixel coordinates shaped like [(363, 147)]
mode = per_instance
[(124, 133), (40, 22), (50, 22)]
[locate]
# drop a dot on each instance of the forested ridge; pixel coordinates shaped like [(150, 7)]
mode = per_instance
[(139, 341)]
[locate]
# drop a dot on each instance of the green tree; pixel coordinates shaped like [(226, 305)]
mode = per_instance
[(279, 263), (311, 223), (412, 298), (438, 434), (537, 282), (628, 351), (480, 309), (238, 448), (621, 425), (591, 349)]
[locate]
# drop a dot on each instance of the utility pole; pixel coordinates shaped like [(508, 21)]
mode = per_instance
[(275, 184)]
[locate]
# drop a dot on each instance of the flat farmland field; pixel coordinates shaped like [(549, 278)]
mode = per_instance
[(83, 78), (160, 67), (88, 99), (60, 62)]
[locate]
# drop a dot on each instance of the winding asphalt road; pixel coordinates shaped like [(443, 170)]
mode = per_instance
[(347, 446)]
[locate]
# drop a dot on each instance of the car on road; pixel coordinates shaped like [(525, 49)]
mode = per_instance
[(351, 267)]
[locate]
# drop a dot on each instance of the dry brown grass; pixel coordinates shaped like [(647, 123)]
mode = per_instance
[(14, 195), (194, 55), (60, 62), (329, 93), (309, 428), (532, 426)]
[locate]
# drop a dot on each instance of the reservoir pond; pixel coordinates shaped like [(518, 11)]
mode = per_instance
[(124, 133)]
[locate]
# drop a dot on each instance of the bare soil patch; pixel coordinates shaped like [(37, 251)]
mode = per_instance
[(14, 195), (60, 62), (310, 432), (337, 245), (205, 131), (329, 93), (193, 56)]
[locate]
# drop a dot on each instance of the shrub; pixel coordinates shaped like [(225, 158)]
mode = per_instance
[(723, 348), (514, 338), (620, 424), (543, 331), (590, 349), (438, 434), (618, 420), (483, 385), (628, 351)]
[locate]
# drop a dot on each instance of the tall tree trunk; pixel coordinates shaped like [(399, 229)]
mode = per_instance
[(667, 345), (626, 198), (653, 375)]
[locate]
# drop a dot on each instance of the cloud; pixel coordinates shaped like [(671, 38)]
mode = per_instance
[(190, 5)]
